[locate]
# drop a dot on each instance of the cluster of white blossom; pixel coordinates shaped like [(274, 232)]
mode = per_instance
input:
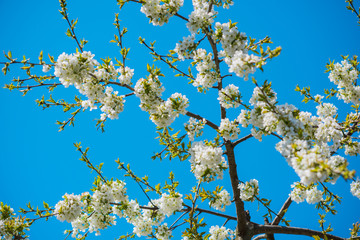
[(243, 118), (261, 115), (352, 148), (11, 226), (207, 162), (85, 73), (355, 188), (221, 201), (126, 75), (163, 232), (308, 141), (205, 66), (249, 190), (167, 111), (308, 161), (106, 72), (112, 104), (46, 68), (93, 212), (194, 128), (231, 39), (243, 64), (149, 90), (144, 220), (345, 76), (70, 208), (300, 193), (162, 113), (235, 52), (221, 233), (229, 97), (73, 69), (168, 204), (6, 217), (229, 130), (202, 15), (159, 11), (325, 110), (185, 48)]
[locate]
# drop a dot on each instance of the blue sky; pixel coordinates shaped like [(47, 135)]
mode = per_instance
[(38, 163)]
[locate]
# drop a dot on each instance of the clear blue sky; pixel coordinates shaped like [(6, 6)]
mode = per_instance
[(40, 164)]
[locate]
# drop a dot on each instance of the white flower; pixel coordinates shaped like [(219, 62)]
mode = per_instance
[(220, 233), (229, 130), (149, 91), (207, 162), (355, 188), (163, 232), (313, 195), (298, 194), (46, 68), (168, 204), (205, 66), (69, 209), (229, 97), (185, 48), (326, 110), (249, 190), (126, 75), (201, 16), (242, 64), (159, 12), (231, 39), (344, 75), (221, 201), (194, 128)]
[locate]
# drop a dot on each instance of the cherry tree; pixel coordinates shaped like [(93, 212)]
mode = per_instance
[(218, 61)]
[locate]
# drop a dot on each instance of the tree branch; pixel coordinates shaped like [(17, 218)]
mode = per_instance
[(262, 236), (198, 117), (242, 139), (282, 211), (271, 229), (239, 204)]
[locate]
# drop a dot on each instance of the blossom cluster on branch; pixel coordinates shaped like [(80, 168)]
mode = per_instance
[(315, 145)]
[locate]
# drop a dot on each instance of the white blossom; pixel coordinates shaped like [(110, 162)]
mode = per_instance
[(126, 75), (229, 130), (163, 232), (194, 128), (298, 194), (159, 11), (355, 188), (185, 48), (229, 97), (70, 208), (249, 190), (221, 201), (207, 162), (344, 75), (313, 195), (201, 16), (220, 233), (170, 203)]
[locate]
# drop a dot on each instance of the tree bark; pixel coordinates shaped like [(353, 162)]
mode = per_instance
[(242, 229), (271, 229)]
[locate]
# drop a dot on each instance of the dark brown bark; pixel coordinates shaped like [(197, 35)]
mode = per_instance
[(242, 228), (271, 229)]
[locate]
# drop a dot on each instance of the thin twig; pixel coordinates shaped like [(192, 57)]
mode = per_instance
[(179, 218), (242, 139)]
